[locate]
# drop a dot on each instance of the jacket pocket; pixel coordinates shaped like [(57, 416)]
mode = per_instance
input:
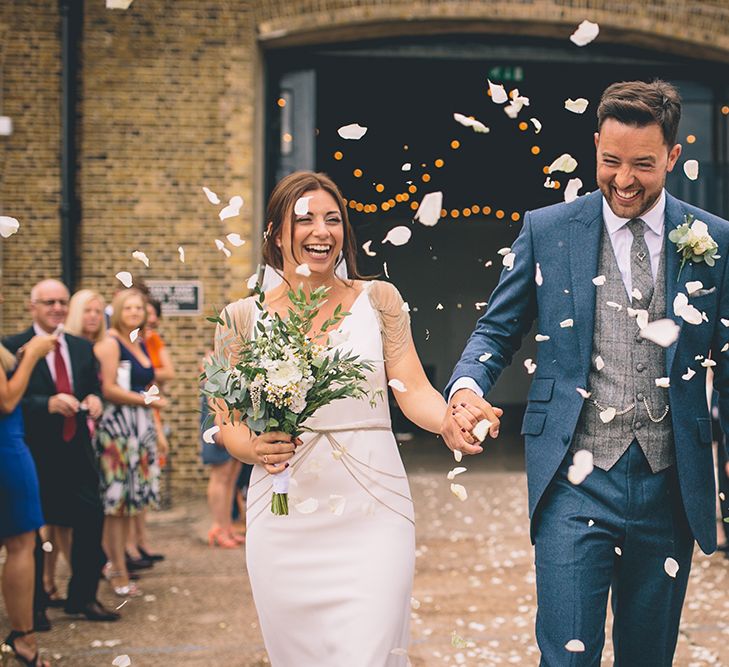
[(541, 389), (533, 423), (704, 426)]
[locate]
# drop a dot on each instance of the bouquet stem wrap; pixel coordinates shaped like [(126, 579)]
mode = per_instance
[(280, 497)]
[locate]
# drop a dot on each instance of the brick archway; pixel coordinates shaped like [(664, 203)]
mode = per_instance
[(681, 27)]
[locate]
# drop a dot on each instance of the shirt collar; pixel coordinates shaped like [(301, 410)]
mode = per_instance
[(39, 332), (654, 219)]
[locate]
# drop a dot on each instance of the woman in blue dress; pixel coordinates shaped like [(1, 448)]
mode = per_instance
[(20, 508)]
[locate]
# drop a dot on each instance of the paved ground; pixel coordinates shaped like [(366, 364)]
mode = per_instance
[(475, 577)]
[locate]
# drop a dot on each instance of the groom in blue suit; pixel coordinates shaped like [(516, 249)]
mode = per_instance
[(593, 273)]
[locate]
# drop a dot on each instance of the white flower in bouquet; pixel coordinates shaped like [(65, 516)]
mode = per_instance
[(283, 372)]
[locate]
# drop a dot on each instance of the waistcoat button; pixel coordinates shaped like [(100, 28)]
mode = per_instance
[(639, 367)]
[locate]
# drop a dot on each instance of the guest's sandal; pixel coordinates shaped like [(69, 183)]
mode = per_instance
[(35, 661)]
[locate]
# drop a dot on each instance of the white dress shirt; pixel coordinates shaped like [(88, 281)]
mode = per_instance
[(51, 356), (621, 239)]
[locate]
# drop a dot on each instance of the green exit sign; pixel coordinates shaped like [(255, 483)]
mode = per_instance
[(506, 73)]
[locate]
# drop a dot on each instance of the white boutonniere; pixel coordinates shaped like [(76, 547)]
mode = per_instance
[(694, 242)]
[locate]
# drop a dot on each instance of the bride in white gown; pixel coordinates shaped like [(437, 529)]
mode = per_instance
[(332, 580)]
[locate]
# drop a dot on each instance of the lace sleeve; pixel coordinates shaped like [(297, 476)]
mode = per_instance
[(394, 319), (227, 339)]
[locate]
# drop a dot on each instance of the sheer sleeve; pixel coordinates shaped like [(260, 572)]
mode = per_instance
[(394, 317), (228, 339)]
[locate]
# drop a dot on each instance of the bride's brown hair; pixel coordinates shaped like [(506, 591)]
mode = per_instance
[(281, 203)]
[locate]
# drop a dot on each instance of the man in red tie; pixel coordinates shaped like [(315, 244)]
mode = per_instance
[(61, 394)]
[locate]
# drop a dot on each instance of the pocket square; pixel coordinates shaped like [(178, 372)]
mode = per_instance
[(703, 292)]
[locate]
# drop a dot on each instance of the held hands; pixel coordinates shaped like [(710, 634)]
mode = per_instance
[(465, 410), (93, 404), (274, 449), (63, 404)]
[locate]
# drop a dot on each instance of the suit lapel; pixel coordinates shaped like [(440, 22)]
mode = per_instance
[(585, 236), (674, 284)]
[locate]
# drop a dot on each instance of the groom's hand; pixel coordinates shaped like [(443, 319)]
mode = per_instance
[(465, 410)]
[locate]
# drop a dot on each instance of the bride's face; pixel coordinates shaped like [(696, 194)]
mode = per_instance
[(318, 234)]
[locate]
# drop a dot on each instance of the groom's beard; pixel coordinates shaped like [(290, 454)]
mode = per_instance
[(642, 203)]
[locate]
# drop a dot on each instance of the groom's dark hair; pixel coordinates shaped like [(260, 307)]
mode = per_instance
[(639, 103)]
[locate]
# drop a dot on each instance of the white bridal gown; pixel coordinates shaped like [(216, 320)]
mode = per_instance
[(332, 580)]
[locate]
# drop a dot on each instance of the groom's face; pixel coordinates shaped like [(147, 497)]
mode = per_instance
[(632, 163)]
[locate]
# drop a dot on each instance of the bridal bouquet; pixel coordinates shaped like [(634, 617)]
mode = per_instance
[(281, 376)]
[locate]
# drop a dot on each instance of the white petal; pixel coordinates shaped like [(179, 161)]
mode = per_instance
[(708, 363), (590, 523), (405, 307), (151, 395), (599, 280), (232, 209), (565, 163), (212, 197), (538, 276), (725, 322), (693, 286), (397, 385), (582, 466), (121, 661), (428, 212), (663, 382), (439, 306), (599, 363), (476, 125), (663, 332), (537, 125), (612, 304), (566, 324), (576, 106), (456, 471), (209, 433), (235, 240), (307, 506), (133, 335), (503, 251), (352, 131), (583, 392), (636, 294), (406, 166), (221, 246), (550, 184), (139, 255), (337, 504), (303, 270), (585, 33), (181, 251), (301, 207), (540, 338), (458, 455), (671, 567), (618, 551), (607, 415), (8, 226), (125, 278), (691, 169), (725, 347), (508, 261), (575, 646), (459, 491), (572, 188), (690, 372), (530, 366), (398, 235), (481, 430), (485, 356), (366, 247), (686, 311), (498, 94)]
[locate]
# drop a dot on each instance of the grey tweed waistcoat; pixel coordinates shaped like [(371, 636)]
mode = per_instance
[(632, 364)]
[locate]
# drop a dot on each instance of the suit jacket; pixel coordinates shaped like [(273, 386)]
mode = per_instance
[(564, 240), (44, 431)]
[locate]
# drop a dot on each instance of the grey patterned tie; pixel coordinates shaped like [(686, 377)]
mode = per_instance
[(640, 264)]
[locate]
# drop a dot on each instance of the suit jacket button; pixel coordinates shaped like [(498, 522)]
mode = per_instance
[(565, 438), (639, 397), (639, 367), (638, 425)]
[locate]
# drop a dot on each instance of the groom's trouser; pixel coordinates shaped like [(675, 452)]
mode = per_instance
[(578, 533)]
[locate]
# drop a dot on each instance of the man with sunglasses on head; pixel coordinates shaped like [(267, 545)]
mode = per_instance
[(61, 394)]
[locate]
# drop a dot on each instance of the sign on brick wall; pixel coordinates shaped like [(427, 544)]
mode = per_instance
[(178, 297)]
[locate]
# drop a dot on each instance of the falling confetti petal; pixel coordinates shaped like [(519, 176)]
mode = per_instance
[(663, 382), (121, 661), (459, 491), (181, 251), (133, 335), (485, 356), (406, 167), (690, 372), (565, 163), (725, 322), (235, 240), (582, 466), (139, 255), (550, 184), (691, 169), (540, 338), (566, 324), (537, 125), (456, 471), (686, 311), (576, 106), (366, 247), (498, 94), (209, 433), (8, 226), (530, 366), (337, 504), (538, 276), (503, 251), (428, 212), (508, 261), (307, 506), (583, 392), (618, 551), (301, 207), (398, 235), (125, 278), (598, 280), (47, 547), (212, 197), (397, 385), (151, 395), (458, 455), (586, 32), (671, 567), (599, 363), (476, 125), (708, 363), (572, 189), (303, 270), (232, 209), (636, 294), (221, 246), (663, 332), (352, 131), (612, 304), (693, 286), (575, 646), (607, 415), (439, 306), (481, 430)]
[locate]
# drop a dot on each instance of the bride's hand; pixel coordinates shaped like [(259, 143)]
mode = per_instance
[(273, 450)]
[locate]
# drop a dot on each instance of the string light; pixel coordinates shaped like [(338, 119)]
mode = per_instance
[(439, 163), (338, 155), (281, 102), (536, 150), (691, 139), (455, 144), (725, 110), (425, 178), (379, 187), (357, 173)]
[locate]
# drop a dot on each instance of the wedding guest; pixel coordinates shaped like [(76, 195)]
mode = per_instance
[(347, 566), (20, 504), (126, 437), (62, 391)]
